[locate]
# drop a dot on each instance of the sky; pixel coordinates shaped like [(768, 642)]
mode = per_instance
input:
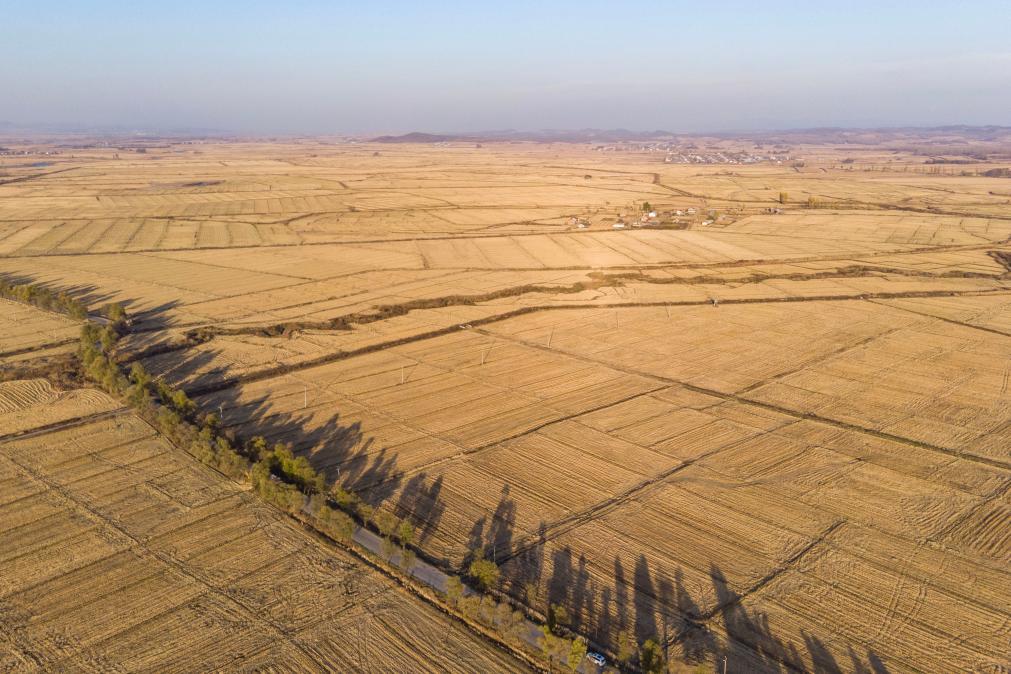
[(314, 67)]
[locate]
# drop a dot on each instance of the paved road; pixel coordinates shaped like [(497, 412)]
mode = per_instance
[(435, 578)]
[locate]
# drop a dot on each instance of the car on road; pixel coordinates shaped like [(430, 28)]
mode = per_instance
[(597, 659)]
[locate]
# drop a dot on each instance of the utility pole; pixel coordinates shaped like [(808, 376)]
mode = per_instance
[(305, 396), (667, 307), (401, 374)]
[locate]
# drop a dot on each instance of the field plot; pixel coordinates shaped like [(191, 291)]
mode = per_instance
[(853, 227), (24, 328), (119, 552), (33, 403)]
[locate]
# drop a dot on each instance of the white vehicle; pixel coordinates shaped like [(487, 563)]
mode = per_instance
[(618, 225), (597, 659)]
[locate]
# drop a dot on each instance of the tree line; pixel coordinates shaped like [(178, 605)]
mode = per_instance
[(43, 297)]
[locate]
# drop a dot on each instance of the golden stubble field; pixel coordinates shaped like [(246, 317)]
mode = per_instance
[(783, 439), (119, 552)]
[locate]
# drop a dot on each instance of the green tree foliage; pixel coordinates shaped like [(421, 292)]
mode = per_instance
[(646, 208), (387, 548), (407, 559), (485, 573), (115, 312), (651, 658), (454, 590), (626, 646), (557, 616), (293, 470), (405, 532), (386, 522), (273, 490), (554, 648), (577, 651), (43, 298)]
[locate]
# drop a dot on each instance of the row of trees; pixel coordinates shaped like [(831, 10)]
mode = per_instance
[(43, 297), (511, 624)]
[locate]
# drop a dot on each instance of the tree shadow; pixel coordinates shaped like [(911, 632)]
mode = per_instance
[(656, 606), (87, 294)]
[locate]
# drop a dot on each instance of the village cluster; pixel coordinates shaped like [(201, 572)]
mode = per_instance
[(675, 153), (651, 218)]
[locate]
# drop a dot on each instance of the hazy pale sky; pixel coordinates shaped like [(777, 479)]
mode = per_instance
[(332, 67)]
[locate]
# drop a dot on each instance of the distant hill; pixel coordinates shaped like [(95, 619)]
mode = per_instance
[(417, 137)]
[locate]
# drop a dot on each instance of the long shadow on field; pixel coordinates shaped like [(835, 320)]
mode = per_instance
[(334, 446), (88, 295), (338, 447), (156, 318), (493, 533), (648, 605), (184, 368)]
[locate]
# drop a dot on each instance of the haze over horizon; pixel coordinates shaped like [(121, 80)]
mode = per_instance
[(318, 68)]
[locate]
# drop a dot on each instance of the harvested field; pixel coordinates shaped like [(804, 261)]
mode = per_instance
[(24, 329), (770, 427), (119, 552)]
